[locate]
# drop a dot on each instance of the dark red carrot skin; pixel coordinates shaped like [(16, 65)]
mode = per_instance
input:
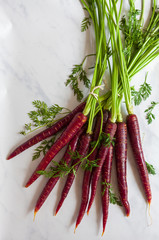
[(75, 125), (98, 124), (88, 173), (110, 128), (121, 164), (106, 177), (109, 116), (55, 128), (135, 139), (82, 150), (52, 181)]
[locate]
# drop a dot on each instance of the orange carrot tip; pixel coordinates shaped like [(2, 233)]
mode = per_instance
[(35, 212), (149, 208), (75, 228), (88, 212), (128, 211), (128, 214), (149, 202), (27, 185), (56, 212), (103, 232)]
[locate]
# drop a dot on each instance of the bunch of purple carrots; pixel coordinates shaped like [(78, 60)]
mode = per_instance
[(95, 132)]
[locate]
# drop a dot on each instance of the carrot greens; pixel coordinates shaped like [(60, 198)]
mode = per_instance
[(42, 116), (149, 115), (150, 168), (43, 148), (62, 169), (104, 139), (112, 196), (143, 93), (78, 74), (86, 22)]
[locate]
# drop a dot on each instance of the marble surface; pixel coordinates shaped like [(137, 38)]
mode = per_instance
[(39, 43)]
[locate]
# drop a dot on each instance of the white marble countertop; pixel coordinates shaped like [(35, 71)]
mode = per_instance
[(39, 43)]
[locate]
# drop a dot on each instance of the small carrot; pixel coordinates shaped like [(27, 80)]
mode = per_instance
[(110, 130), (52, 181), (55, 128), (75, 125), (121, 163), (88, 173), (106, 178), (135, 139), (82, 150)]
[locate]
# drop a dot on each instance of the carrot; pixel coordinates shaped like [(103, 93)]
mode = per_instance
[(110, 129), (88, 173), (52, 181), (75, 125), (106, 178), (121, 163), (82, 150), (135, 139), (55, 128)]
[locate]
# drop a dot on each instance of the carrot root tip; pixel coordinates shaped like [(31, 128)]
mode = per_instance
[(27, 185), (35, 212), (149, 213), (87, 212), (103, 232), (149, 202), (56, 212), (128, 214), (75, 229)]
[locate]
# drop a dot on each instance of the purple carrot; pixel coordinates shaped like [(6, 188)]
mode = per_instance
[(87, 173), (106, 178), (75, 125), (121, 164), (52, 181), (55, 128), (135, 139), (82, 150), (110, 130)]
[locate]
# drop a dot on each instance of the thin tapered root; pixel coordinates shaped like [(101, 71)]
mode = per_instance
[(128, 211), (56, 211), (75, 228), (149, 213), (103, 232), (35, 212), (149, 202), (128, 214), (27, 185)]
